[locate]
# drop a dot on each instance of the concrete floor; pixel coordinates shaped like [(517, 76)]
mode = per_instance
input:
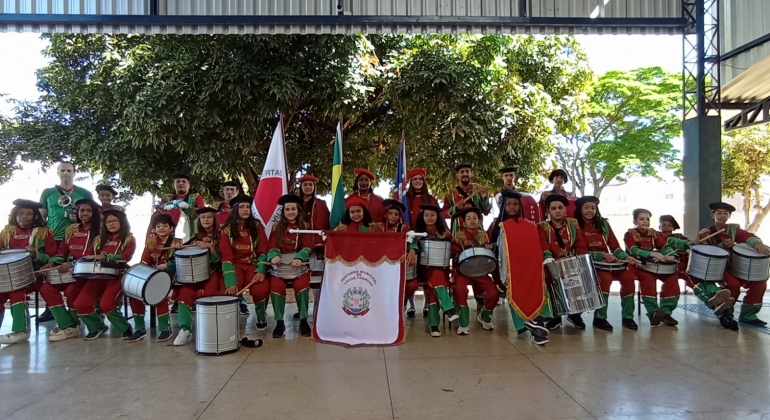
[(696, 371)]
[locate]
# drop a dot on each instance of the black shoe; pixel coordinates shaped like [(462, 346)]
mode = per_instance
[(671, 322), (126, 335), (164, 335), (175, 308), (553, 323), (577, 321), (261, 325), (304, 328), (630, 324), (451, 315), (657, 317), (138, 335), (96, 334), (295, 316), (410, 313), (521, 331), (537, 327), (425, 312), (755, 322), (728, 323), (45, 316), (192, 309), (243, 308), (279, 329), (540, 340), (602, 324)]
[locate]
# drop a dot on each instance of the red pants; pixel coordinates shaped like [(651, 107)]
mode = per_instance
[(278, 285), (411, 288), (648, 284), (682, 271), (259, 291), (17, 296), (484, 284), (754, 294), (137, 307), (189, 292), (51, 293), (107, 292), (625, 277)]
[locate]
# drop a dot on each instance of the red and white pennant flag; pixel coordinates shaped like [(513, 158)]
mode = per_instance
[(272, 183)]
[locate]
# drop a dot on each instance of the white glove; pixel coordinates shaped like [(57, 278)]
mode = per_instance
[(168, 207), (323, 236), (183, 205), (548, 260)]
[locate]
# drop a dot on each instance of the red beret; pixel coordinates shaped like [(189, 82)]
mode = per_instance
[(366, 172), (308, 177), (416, 171), (355, 200)]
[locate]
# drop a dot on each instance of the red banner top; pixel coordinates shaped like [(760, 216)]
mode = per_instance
[(369, 247)]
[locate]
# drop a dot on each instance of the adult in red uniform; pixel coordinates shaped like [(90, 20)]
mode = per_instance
[(77, 243), (316, 215), (230, 190), (243, 245), (558, 178), (604, 247), (418, 194), (561, 237), (26, 230), (114, 243), (394, 222), (284, 242), (362, 188), (182, 194), (529, 206)]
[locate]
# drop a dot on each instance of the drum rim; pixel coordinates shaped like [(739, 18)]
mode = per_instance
[(180, 252), (751, 257), (24, 255), (147, 283), (695, 251), (236, 299)]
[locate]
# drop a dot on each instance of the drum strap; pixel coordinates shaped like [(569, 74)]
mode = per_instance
[(32, 236)]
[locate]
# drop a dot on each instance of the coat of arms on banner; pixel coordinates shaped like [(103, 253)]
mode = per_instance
[(355, 302)]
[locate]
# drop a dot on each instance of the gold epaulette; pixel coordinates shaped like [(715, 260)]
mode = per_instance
[(176, 241), (572, 222), (340, 227), (637, 237), (168, 197), (70, 232), (7, 233), (483, 238), (150, 242)]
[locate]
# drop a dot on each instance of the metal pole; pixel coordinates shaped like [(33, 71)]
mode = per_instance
[(700, 34)]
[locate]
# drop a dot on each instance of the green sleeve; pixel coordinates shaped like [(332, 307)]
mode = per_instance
[(303, 254), (85, 193), (678, 244), (413, 245), (620, 254), (261, 268), (639, 252), (667, 250), (57, 259), (171, 264), (44, 198), (597, 255), (228, 270), (112, 257), (753, 241), (40, 255), (215, 257), (547, 255), (272, 253)]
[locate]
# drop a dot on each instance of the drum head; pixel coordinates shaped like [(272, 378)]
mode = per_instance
[(190, 252), (710, 251), (13, 257), (157, 287), (217, 300), (12, 251), (747, 251)]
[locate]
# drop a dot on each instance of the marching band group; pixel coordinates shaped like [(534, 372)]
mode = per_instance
[(78, 247)]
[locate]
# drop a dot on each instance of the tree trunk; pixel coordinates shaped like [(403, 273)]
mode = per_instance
[(598, 190), (762, 212), (746, 207)]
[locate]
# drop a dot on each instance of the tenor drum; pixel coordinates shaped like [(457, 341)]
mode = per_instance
[(575, 286), (411, 271), (16, 271), (707, 262), (146, 283), (216, 325), (192, 265), (477, 261), (91, 269), (55, 277), (434, 252), (285, 271), (609, 266), (749, 265), (317, 265), (662, 268)]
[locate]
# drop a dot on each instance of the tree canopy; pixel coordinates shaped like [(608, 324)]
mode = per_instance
[(745, 161), (630, 120), (136, 108)]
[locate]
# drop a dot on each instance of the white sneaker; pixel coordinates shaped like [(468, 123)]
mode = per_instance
[(463, 330), (435, 332), (15, 337), (183, 338), (485, 325), (59, 335)]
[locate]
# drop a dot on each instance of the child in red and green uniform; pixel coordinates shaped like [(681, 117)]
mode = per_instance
[(26, 230), (436, 278), (284, 242), (561, 237), (357, 217), (77, 243), (667, 225), (242, 246), (733, 234), (394, 222), (155, 256), (604, 247), (206, 237), (471, 235), (642, 242), (114, 243)]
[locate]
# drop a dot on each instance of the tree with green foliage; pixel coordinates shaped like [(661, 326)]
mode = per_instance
[(745, 163), (630, 120), (136, 108)]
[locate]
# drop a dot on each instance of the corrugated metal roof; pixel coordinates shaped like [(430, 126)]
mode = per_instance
[(746, 76)]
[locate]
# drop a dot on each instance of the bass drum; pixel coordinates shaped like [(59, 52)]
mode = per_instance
[(216, 325), (749, 265), (146, 283), (707, 262)]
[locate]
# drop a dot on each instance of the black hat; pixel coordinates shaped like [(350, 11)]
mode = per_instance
[(163, 218), (27, 204), (556, 197), (669, 218), (463, 213), (393, 204), (462, 165), (586, 199), (94, 205), (115, 211), (290, 198), (508, 169), (240, 198), (235, 184), (180, 175), (432, 207), (112, 191), (558, 172), (637, 212), (204, 210), (506, 194), (719, 205)]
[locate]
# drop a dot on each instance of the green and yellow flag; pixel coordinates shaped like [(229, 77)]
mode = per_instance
[(338, 189)]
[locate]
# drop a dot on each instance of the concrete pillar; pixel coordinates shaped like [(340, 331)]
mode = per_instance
[(702, 168)]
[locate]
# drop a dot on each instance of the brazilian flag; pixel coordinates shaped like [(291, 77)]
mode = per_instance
[(338, 189)]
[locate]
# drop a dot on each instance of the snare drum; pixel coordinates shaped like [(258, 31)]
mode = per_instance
[(477, 261), (146, 283), (16, 271), (575, 286), (91, 269), (285, 271), (435, 253), (747, 264), (55, 277), (707, 262), (216, 325), (661, 268), (192, 265), (610, 266)]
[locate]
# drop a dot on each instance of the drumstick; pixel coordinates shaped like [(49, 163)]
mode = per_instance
[(46, 269), (471, 196), (268, 262), (242, 291), (710, 236)]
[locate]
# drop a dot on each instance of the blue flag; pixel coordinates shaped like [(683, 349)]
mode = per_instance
[(401, 180)]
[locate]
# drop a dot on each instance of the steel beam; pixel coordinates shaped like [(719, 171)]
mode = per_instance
[(758, 113)]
